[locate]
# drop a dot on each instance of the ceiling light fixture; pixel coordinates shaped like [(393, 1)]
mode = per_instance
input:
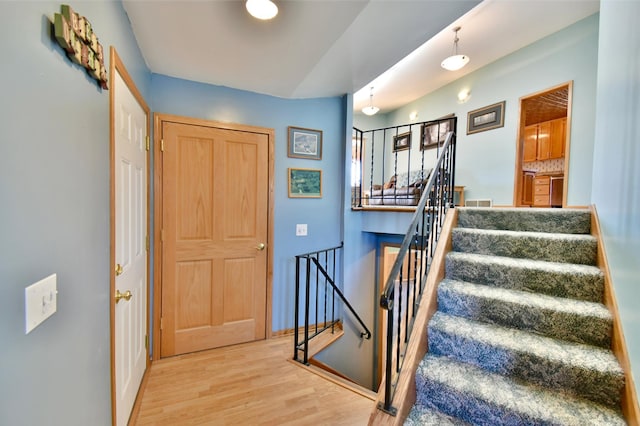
[(455, 61), (370, 110), (262, 9)]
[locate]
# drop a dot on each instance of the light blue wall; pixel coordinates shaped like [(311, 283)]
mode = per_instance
[(485, 162), (352, 355), (616, 164), (323, 216), (54, 215)]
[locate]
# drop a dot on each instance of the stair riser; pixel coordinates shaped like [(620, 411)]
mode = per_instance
[(594, 385), (535, 220), (569, 250), (589, 330), (589, 287)]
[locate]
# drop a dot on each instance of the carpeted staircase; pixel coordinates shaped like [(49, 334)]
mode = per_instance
[(521, 336)]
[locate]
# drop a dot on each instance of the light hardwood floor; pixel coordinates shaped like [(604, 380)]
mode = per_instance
[(249, 384)]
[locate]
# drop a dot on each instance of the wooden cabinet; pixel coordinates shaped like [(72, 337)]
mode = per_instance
[(530, 143), (541, 191), (527, 188), (557, 136), (544, 130), (544, 141)]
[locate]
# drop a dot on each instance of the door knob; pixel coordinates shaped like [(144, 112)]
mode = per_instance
[(260, 247), (118, 269), (126, 296)]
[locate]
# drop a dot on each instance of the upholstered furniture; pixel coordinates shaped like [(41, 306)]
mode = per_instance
[(405, 189)]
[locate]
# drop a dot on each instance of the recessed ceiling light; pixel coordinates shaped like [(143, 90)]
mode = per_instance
[(262, 9)]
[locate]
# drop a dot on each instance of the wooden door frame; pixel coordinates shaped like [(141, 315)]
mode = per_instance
[(517, 187), (380, 320), (116, 65), (158, 119)]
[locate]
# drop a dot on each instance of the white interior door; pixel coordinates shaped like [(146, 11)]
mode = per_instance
[(130, 352)]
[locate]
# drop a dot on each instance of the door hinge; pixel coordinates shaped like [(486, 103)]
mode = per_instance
[(162, 145), (146, 341), (161, 323), (162, 235), (148, 143), (147, 243)]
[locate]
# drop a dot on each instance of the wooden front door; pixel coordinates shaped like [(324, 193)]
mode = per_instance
[(215, 217)]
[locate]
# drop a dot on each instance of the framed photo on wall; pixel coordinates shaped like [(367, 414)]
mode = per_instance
[(402, 141), (304, 183), (305, 143), (487, 118), (434, 134)]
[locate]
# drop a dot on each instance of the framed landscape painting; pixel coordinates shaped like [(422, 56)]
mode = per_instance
[(305, 183), (305, 143)]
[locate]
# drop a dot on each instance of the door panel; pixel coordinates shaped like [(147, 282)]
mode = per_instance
[(130, 247), (215, 216)]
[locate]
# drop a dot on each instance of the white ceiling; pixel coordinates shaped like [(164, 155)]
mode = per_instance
[(319, 48)]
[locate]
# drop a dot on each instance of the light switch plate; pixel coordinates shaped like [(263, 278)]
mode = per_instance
[(301, 229), (40, 301)]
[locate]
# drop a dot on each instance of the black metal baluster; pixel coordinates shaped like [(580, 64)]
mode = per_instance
[(333, 295), (297, 307), (306, 314)]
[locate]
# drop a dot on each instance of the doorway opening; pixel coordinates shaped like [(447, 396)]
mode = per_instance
[(542, 152)]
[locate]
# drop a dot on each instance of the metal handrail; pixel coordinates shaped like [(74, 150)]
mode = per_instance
[(328, 279), (423, 233), (366, 333), (369, 190)]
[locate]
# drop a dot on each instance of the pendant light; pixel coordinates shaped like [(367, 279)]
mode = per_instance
[(455, 61), (370, 110), (262, 9)]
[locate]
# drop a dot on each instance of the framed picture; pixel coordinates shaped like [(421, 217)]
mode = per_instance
[(305, 183), (487, 118), (434, 134), (305, 143), (402, 141)]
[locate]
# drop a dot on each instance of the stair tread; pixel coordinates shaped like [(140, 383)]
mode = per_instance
[(557, 267), (494, 394), (573, 221), (561, 318), (552, 247), (535, 300), (421, 416), (567, 353), (576, 281)]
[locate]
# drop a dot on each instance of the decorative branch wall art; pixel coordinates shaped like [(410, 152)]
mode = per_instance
[(75, 34)]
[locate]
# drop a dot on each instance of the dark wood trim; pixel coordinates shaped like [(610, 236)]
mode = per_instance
[(629, 404), (116, 65), (405, 395), (157, 230)]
